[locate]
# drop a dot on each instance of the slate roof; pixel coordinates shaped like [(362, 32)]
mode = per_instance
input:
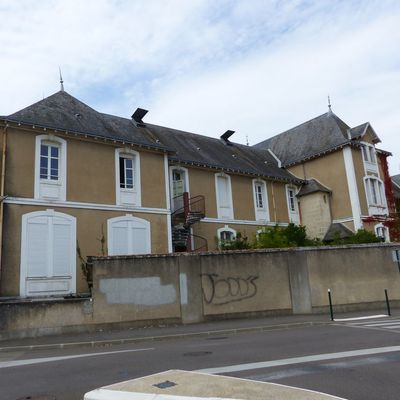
[(312, 186), (319, 135), (64, 112), (211, 152)]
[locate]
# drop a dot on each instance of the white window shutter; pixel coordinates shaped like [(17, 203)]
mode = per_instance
[(120, 238), (62, 237), (37, 247)]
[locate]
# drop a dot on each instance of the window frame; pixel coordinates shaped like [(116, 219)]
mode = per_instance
[(226, 228), (24, 278), (261, 213), (229, 207), (370, 160), (377, 193), (293, 214), (56, 186), (128, 196), (132, 221)]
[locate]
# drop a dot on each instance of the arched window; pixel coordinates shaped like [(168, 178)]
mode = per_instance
[(382, 232), (128, 235), (50, 168), (48, 254)]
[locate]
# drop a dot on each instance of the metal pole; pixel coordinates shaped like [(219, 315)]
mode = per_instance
[(330, 303), (387, 302)]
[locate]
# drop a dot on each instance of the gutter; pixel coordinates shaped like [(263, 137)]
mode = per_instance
[(2, 184)]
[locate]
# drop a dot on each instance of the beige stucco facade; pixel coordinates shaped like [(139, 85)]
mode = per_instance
[(330, 171), (91, 238)]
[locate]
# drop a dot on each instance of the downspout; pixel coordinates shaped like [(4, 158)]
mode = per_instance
[(273, 201), (2, 184)]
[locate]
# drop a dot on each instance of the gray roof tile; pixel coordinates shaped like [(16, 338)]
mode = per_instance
[(65, 112), (321, 134)]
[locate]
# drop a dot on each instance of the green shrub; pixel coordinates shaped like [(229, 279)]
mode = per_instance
[(361, 236)]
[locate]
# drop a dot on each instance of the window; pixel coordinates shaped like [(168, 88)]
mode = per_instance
[(49, 161), (127, 168), (125, 172), (369, 153), (224, 196), (291, 200), (225, 235), (128, 235), (292, 204), (260, 200), (375, 193), (50, 168), (48, 254), (382, 232)]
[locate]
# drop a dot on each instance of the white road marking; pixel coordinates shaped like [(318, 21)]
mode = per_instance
[(299, 360), (360, 318), (383, 324), (18, 363)]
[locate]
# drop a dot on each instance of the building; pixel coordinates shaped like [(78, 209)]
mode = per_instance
[(348, 174), (76, 182)]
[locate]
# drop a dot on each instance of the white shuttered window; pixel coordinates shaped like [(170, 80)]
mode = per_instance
[(128, 235), (48, 254)]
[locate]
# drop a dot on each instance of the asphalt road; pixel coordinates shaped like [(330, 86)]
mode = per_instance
[(349, 360)]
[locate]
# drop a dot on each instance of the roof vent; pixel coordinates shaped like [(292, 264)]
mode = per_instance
[(138, 116), (226, 136)]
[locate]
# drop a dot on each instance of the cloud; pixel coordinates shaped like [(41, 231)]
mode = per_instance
[(253, 66)]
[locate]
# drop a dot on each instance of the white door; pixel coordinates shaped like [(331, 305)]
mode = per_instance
[(178, 188), (128, 235), (48, 254)]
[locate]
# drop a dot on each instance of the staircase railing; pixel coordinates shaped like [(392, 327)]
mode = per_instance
[(200, 243), (193, 206)]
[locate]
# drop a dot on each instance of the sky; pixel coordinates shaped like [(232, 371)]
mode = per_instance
[(255, 67)]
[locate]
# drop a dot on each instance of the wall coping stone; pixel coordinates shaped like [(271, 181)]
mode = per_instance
[(91, 259)]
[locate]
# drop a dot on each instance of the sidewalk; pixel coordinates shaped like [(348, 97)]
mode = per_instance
[(164, 332)]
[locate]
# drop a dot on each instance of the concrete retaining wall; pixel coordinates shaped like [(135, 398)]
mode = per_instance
[(190, 288)]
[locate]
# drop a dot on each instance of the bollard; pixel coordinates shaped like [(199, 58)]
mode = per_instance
[(330, 303), (387, 302)]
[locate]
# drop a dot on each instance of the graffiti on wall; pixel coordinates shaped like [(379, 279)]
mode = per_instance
[(219, 290)]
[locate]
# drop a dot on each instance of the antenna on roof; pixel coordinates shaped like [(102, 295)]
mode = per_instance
[(329, 105), (61, 81)]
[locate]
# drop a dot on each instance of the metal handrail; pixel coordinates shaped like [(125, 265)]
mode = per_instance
[(192, 201)]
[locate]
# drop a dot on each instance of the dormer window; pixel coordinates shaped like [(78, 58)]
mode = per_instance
[(50, 168), (127, 170)]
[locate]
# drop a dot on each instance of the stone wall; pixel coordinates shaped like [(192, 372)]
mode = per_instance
[(188, 287)]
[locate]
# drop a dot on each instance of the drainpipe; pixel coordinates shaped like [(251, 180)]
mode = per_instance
[(273, 201), (2, 182)]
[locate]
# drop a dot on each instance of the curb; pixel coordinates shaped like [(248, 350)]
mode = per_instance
[(111, 342)]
